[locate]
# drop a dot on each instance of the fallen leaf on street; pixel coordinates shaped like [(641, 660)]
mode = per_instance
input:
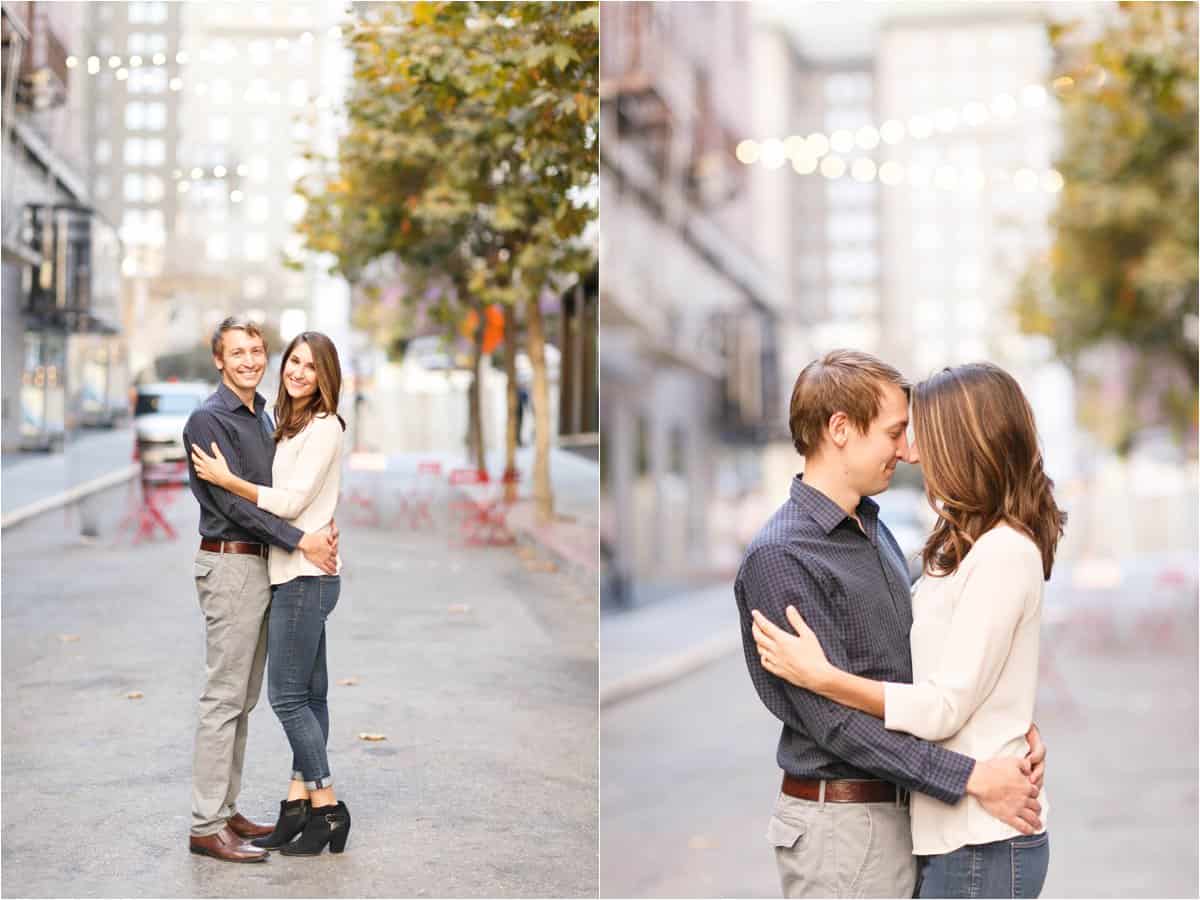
[(459, 608), (68, 637), (348, 682), (526, 552), (135, 695), (367, 736), (701, 842), (541, 565)]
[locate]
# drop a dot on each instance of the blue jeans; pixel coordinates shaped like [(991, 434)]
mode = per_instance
[(297, 679), (1011, 868)]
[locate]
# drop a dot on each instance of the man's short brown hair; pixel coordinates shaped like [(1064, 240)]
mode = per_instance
[(234, 323), (847, 381)]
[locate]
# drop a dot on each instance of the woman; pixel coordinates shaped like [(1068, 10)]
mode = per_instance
[(976, 615), (306, 478)]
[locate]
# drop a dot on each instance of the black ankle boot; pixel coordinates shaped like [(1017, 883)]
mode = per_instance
[(293, 816), (326, 825)]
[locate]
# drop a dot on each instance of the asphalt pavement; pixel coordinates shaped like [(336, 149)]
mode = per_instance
[(479, 665)]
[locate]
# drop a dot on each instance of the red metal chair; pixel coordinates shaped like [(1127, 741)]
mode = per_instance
[(416, 504), (364, 495)]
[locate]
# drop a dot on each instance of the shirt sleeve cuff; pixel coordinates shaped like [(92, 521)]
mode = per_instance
[(291, 536)]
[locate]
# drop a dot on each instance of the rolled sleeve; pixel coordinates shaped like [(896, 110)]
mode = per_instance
[(203, 430), (994, 597), (770, 580)]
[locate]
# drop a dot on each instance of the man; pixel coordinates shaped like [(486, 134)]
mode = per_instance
[(234, 588), (826, 552)]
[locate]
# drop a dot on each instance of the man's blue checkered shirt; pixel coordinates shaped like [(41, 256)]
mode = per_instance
[(853, 591)]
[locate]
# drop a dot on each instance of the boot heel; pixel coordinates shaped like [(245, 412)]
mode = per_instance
[(337, 843)]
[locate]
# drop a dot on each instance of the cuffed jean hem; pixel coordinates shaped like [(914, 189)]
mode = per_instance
[(315, 785)]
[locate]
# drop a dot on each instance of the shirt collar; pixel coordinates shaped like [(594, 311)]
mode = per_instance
[(232, 401), (825, 512)]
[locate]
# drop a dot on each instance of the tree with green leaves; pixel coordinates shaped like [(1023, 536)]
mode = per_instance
[(470, 152), (1122, 269)]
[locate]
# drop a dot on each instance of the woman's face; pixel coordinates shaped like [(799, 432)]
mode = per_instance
[(299, 373)]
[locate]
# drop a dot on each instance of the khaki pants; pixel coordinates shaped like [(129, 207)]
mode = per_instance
[(235, 593), (842, 849)]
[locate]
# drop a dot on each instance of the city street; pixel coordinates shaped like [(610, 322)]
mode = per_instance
[(690, 773), (478, 665)]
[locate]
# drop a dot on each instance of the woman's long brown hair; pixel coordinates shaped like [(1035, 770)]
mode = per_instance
[(290, 417), (979, 452)]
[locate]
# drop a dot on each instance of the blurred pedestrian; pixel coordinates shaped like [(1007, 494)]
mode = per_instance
[(826, 556), (522, 402), (231, 575), (304, 491)]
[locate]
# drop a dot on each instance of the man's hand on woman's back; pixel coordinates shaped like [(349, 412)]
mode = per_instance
[(1004, 788), (320, 548)]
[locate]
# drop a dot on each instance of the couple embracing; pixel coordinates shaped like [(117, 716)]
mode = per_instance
[(267, 577), (911, 765)]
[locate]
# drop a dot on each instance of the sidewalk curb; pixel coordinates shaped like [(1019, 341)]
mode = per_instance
[(669, 670), (70, 496)]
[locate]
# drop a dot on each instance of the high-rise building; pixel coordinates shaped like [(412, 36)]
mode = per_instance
[(199, 117), (686, 309), (63, 355)]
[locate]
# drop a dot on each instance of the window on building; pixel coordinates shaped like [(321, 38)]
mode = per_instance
[(222, 51), (298, 92), (153, 185), (147, 81), (258, 210), (254, 286), (221, 91), (297, 286), (260, 130), (136, 42), (156, 116), (677, 450), (255, 247), (216, 248), (853, 265), (851, 227), (260, 169), (135, 153), (149, 13), (156, 150), (260, 52), (103, 152), (219, 129), (132, 190), (846, 88), (295, 207)]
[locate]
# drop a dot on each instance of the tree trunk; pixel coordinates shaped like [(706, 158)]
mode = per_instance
[(543, 496), (475, 400), (511, 436)]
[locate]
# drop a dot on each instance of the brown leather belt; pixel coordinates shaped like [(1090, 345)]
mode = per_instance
[(842, 790), (215, 546)]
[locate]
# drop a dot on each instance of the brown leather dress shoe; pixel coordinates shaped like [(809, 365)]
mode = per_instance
[(243, 827), (227, 846)]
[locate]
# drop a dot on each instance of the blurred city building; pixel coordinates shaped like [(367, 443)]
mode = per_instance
[(686, 309), (916, 157), (64, 358), (193, 120)]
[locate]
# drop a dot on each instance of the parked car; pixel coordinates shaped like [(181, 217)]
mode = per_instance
[(159, 414)]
